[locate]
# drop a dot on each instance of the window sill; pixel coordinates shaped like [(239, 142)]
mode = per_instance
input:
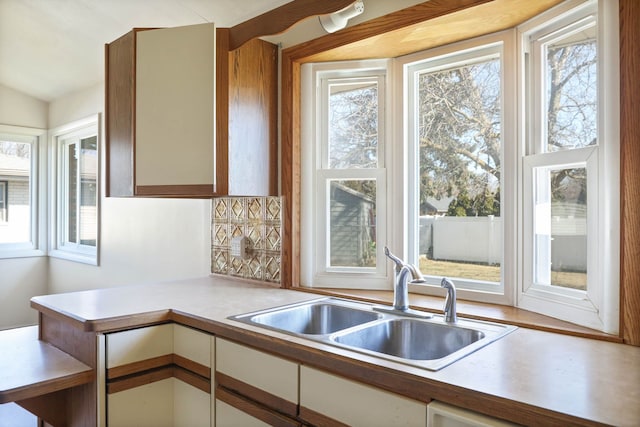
[(474, 310)]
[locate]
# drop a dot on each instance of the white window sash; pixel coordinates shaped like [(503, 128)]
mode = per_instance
[(61, 138), (36, 244), (496, 45)]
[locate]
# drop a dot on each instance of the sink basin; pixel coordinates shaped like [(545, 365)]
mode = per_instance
[(314, 318), (428, 343), (410, 339)]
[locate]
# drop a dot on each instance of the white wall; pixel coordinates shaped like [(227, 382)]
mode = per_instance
[(21, 278), (141, 240), (18, 109)]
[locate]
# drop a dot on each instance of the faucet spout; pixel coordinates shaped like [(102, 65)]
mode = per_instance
[(450, 315), (404, 274), (401, 285)]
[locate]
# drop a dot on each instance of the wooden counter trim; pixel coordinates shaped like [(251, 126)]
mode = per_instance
[(318, 419), (112, 324), (268, 399), (254, 409)]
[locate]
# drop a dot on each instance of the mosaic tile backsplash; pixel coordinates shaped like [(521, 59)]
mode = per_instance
[(259, 219)]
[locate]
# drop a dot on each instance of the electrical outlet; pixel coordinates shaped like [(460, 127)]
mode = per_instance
[(240, 247)]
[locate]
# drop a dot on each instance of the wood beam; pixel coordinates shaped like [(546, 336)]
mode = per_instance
[(281, 18)]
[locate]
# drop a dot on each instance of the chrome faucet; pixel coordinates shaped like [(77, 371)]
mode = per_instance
[(401, 286), (450, 315)]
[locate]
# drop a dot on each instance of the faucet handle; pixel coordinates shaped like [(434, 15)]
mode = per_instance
[(392, 257)]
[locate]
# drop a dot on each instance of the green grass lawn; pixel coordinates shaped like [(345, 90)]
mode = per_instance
[(491, 273)]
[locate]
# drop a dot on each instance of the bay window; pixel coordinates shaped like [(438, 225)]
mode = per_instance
[(492, 161)]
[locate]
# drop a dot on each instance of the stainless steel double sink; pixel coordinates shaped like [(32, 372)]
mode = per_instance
[(428, 342)]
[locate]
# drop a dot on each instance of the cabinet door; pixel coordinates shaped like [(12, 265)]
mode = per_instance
[(148, 405), (159, 376), (191, 406), (152, 345), (160, 113), (442, 415), (175, 102), (325, 397), (268, 379), (192, 344)]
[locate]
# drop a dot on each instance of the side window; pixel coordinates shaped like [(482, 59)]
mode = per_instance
[(346, 163), (564, 178), (20, 207), (75, 231)]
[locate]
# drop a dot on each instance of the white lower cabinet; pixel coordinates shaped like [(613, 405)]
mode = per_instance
[(443, 415), (158, 376), (254, 387), (330, 397)]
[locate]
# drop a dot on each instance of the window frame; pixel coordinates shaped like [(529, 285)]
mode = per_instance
[(314, 268), (468, 51), (4, 200), (36, 245), (598, 307), (59, 137)]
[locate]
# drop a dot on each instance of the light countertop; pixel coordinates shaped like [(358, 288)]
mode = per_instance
[(533, 371)]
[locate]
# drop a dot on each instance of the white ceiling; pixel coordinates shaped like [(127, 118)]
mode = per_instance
[(50, 48)]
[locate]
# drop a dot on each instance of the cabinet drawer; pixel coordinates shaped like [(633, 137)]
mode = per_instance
[(234, 410), (227, 415), (443, 415), (258, 375), (325, 397), (136, 345)]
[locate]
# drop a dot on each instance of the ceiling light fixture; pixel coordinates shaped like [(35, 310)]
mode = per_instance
[(338, 20)]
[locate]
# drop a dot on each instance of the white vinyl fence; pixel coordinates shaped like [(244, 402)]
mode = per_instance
[(479, 240)]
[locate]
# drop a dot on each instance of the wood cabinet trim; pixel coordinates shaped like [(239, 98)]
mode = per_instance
[(191, 378), (318, 419), (257, 394), (629, 172), (139, 366), (253, 409), (175, 190), (190, 365), (132, 381)]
